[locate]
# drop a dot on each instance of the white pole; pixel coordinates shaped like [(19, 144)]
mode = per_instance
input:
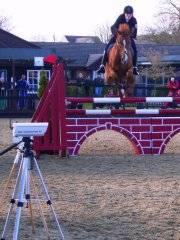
[(12, 204), (20, 198)]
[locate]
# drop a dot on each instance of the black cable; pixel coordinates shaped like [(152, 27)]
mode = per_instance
[(9, 148)]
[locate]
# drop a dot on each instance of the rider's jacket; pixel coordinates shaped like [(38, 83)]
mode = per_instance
[(132, 25)]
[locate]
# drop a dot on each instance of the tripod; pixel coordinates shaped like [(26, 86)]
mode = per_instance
[(22, 189)]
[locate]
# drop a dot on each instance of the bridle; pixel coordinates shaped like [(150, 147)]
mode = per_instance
[(125, 35)]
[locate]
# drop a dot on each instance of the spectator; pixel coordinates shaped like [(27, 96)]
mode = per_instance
[(3, 94), (98, 82), (2, 83), (178, 93), (79, 84), (110, 93), (98, 86), (22, 86), (87, 86), (173, 88)]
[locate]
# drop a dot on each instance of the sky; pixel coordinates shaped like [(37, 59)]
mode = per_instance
[(41, 20)]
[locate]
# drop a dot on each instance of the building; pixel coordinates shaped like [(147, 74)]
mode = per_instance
[(81, 53)]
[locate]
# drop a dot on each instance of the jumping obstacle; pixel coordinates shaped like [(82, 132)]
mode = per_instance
[(149, 130), (51, 109), (124, 100)]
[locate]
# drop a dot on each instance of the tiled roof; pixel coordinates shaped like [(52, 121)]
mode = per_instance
[(92, 59), (170, 53), (8, 40), (86, 54), (23, 53), (77, 52), (165, 49)]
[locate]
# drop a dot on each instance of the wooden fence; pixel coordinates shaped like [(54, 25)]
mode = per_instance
[(15, 103)]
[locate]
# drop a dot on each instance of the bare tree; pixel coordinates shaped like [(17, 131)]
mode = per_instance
[(167, 29), (170, 13), (5, 23), (54, 37), (158, 35), (157, 67), (104, 33)]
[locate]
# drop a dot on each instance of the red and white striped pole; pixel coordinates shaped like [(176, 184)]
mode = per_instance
[(97, 112), (124, 100)]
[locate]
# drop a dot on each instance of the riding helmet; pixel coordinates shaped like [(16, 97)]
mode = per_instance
[(128, 10)]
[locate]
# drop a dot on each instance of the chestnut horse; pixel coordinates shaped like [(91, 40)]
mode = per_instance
[(119, 68)]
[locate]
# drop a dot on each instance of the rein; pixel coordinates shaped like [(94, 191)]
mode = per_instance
[(122, 43), (123, 34)]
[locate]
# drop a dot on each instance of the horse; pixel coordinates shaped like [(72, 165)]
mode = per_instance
[(119, 67)]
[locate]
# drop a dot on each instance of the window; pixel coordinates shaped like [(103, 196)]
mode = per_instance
[(69, 74), (142, 79), (33, 77), (95, 75)]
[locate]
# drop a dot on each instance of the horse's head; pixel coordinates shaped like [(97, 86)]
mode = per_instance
[(124, 29), (123, 41)]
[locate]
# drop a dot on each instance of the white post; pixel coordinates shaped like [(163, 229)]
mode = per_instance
[(20, 197)]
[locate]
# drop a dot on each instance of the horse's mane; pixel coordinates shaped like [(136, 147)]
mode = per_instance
[(124, 28)]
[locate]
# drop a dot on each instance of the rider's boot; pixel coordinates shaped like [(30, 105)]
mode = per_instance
[(103, 63), (135, 69)]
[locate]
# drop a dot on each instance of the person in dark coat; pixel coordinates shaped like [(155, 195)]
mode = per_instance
[(126, 17), (3, 93), (22, 86)]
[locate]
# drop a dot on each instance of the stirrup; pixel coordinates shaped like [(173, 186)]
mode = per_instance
[(101, 69), (135, 71)]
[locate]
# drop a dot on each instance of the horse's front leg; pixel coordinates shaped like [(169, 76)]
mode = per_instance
[(121, 89), (130, 83), (121, 93)]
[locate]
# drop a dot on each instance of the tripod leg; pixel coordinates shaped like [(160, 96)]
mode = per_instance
[(12, 202), (28, 199), (32, 221), (6, 223), (18, 155), (21, 197), (40, 209), (7, 184), (48, 198)]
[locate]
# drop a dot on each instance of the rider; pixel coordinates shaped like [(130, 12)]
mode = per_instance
[(126, 17)]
